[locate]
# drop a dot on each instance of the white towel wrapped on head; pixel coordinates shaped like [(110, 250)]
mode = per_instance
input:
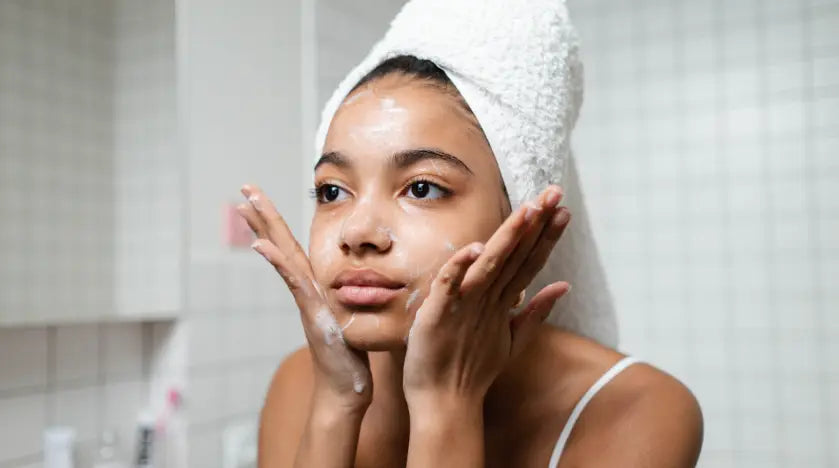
[(516, 64)]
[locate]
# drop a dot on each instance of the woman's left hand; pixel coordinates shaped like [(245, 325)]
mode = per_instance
[(464, 334)]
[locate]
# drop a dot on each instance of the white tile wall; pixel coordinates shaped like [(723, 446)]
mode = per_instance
[(64, 375), (345, 33), (240, 115), (55, 160), (77, 353), (721, 121), (718, 184), (148, 167), (61, 124)]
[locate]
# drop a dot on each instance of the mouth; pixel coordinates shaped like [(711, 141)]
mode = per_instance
[(366, 296), (365, 288)]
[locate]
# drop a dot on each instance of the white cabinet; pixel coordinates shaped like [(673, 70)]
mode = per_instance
[(91, 217)]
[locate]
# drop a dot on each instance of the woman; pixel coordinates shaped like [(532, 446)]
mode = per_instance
[(416, 259)]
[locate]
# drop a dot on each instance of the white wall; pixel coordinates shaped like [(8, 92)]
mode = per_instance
[(148, 165), (57, 204), (56, 192), (707, 148), (709, 154), (345, 33), (240, 111)]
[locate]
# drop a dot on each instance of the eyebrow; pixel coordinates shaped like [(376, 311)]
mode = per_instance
[(401, 159)]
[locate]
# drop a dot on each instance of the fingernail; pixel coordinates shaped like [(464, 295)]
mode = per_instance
[(529, 212), (254, 199), (552, 200), (561, 217), (257, 246), (561, 194)]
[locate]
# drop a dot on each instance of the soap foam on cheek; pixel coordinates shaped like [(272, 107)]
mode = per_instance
[(326, 253), (411, 298)]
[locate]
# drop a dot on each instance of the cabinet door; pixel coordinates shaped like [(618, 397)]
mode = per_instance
[(90, 222)]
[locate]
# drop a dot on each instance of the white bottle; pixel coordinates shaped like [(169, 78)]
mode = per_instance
[(58, 447), (174, 450)]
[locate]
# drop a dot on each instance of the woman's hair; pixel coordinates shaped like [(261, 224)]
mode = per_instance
[(426, 72)]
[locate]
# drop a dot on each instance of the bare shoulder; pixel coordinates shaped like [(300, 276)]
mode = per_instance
[(285, 410), (643, 417)]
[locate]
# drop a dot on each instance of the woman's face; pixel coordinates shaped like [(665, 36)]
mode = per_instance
[(406, 179)]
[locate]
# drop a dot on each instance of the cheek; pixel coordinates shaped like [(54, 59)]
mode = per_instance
[(323, 247), (424, 246)]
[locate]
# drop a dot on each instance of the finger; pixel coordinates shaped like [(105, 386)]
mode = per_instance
[(523, 327), (446, 285), (253, 219), (299, 282), (549, 201), (487, 267), (276, 227), (451, 275), (538, 256)]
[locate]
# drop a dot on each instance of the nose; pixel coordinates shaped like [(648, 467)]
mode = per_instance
[(363, 230)]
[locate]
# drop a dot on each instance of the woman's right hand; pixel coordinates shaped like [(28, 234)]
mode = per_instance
[(342, 374)]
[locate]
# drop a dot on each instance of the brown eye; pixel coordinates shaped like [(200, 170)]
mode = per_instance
[(422, 189), (327, 193)]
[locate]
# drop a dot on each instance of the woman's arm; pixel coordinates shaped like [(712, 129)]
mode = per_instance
[(645, 418), (446, 432), (464, 335), (299, 429), (341, 386), (330, 437)]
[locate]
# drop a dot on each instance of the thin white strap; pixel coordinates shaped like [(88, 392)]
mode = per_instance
[(569, 425)]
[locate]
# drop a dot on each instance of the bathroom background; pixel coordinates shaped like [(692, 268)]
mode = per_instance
[(708, 147)]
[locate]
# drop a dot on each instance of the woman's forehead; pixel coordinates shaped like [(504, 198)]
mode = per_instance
[(389, 116)]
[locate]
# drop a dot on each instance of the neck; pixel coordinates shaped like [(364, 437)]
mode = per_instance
[(386, 367), (387, 423)]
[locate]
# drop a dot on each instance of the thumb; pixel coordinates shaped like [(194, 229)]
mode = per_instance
[(524, 325)]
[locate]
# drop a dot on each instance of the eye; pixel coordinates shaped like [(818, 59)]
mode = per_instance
[(422, 189), (328, 193)]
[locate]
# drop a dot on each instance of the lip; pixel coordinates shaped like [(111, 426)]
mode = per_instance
[(365, 287)]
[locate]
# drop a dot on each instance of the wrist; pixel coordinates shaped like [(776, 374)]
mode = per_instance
[(328, 406), (446, 431), (331, 434), (439, 409)]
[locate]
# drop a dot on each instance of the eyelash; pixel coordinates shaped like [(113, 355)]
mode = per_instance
[(316, 192), (446, 192)]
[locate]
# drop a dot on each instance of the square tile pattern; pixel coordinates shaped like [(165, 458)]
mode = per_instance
[(713, 199)]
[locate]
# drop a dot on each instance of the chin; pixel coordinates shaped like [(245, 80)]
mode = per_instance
[(376, 330)]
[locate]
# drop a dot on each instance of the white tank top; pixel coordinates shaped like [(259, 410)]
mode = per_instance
[(569, 425)]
